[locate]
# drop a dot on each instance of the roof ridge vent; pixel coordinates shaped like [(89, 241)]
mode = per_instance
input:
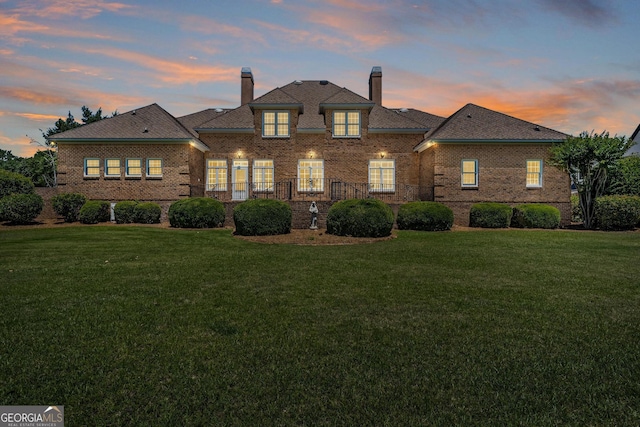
[(403, 110), (297, 82), (537, 128), (133, 113), (324, 82), (218, 110)]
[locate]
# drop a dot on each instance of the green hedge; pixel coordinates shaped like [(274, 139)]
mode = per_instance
[(535, 216), (196, 212), (95, 211), (360, 218), (14, 183), (68, 205), (147, 213), (617, 212), (424, 216), (20, 208), (125, 212), (262, 217), (490, 215)]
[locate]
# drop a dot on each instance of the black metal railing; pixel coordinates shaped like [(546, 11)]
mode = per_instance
[(327, 189)]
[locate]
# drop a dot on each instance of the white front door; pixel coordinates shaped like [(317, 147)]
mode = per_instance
[(240, 179)]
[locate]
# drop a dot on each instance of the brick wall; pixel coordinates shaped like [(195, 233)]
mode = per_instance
[(174, 184), (501, 177)]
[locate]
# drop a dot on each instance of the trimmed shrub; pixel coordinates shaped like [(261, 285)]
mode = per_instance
[(424, 216), (125, 212), (147, 213), (576, 212), (20, 208), (490, 215), (14, 183), (95, 211), (360, 218), (196, 212), (262, 217), (535, 216), (68, 205), (617, 212)]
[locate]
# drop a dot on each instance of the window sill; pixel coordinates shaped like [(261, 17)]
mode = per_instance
[(113, 177), (469, 188), (135, 178), (91, 177), (534, 188), (154, 177)]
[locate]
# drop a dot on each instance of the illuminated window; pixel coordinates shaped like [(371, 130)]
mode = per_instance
[(346, 124), (112, 167), (534, 173), (216, 175), (469, 176), (133, 167), (275, 124), (382, 176), (91, 167), (154, 167), (311, 175), (263, 175)]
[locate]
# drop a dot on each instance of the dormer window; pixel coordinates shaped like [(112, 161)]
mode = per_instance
[(346, 124), (275, 124)]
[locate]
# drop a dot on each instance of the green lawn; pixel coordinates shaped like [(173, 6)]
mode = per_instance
[(147, 326)]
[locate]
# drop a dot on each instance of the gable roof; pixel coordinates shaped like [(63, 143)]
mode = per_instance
[(311, 98), (151, 123), (473, 123), (193, 120)]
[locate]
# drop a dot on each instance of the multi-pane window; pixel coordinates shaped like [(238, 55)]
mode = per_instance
[(112, 167), (275, 123), (154, 167), (134, 167), (534, 173), (311, 175), (346, 123), (216, 175), (263, 175), (382, 175), (91, 167), (469, 175)]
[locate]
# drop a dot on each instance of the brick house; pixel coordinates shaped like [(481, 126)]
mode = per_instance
[(314, 140)]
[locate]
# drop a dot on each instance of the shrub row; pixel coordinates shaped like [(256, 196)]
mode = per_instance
[(360, 218), (196, 212), (617, 212), (127, 212), (498, 215), (18, 202), (262, 217)]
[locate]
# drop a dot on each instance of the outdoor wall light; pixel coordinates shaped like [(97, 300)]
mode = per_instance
[(311, 154), (382, 154)]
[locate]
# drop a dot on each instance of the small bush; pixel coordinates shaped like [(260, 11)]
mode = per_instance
[(125, 212), (262, 217), (68, 205), (535, 216), (95, 211), (576, 212), (196, 212), (360, 218), (490, 215), (617, 212), (424, 216), (14, 183), (147, 213), (20, 208)]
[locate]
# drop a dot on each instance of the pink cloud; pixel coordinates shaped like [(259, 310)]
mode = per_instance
[(84, 9)]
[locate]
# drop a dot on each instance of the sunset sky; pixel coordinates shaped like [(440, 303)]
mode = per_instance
[(571, 65)]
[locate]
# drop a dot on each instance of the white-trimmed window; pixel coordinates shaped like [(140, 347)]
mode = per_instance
[(133, 167), (311, 175), (112, 168), (469, 173), (534, 173), (154, 168), (346, 124), (382, 176), (263, 175), (216, 175), (275, 124), (91, 167)]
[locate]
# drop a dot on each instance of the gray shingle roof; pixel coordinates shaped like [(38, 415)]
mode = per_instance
[(194, 120), (313, 95), (475, 123), (148, 123)]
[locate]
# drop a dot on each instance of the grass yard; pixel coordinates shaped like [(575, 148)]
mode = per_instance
[(147, 326)]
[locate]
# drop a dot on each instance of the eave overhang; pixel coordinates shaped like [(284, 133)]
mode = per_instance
[(289, 106), (348, 106), (146, 141), (431, 142)]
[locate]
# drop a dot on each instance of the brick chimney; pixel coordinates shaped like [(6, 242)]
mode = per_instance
[(246, 87), (375, 85)]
